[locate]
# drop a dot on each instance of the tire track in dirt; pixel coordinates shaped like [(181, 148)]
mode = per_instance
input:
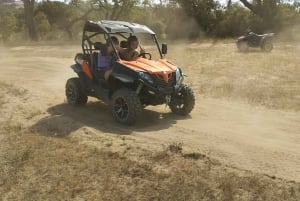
[(237, 134)]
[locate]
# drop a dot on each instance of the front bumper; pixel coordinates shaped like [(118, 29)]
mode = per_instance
[(156, 85)]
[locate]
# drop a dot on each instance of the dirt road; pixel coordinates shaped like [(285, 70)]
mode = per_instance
[(249, 137)]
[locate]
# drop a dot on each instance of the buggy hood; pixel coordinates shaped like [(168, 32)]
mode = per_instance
[(150, 66), (162, 68)]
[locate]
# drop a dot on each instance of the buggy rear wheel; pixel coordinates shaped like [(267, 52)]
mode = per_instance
[(125, 106), (75, 95), (183, 102)]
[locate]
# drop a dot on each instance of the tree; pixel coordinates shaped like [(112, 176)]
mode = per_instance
[(267, 10), (115, 9), (29, 18), (205, 12), (64, 16), (234, 21), (42, 24), (8, 25)]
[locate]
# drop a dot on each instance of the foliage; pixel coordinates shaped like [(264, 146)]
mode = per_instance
[(205, 12), (266, 14), (8, 25), (59, 15), (171, 19), (42, 24), (115, 9), (8, 22), (234, 22)]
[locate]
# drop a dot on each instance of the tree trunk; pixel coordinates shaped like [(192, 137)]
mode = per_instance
[(229, 4), (254, 9), (29, 14)]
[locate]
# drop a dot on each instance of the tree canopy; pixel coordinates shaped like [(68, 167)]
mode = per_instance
[(173, 19)]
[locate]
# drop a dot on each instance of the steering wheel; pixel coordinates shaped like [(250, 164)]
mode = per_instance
[(144, 55)]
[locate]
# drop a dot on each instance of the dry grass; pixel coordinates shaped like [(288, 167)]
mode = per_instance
[(269, 79), (39, 167), (35, 167)]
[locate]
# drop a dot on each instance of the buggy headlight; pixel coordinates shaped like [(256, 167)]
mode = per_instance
[(179, 76), (146, 77)]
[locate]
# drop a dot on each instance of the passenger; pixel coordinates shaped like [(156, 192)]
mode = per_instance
[(130, 53), (105, 59)]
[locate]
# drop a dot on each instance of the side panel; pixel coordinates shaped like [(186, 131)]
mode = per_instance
[(124, 73), (86, 70)]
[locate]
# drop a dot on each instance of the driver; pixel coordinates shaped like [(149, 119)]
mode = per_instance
[(130, 53)]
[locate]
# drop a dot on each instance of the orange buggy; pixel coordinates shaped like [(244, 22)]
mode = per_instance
[(133, 84)]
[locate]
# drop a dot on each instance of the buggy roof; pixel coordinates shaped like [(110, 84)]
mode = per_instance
[(106, 26)]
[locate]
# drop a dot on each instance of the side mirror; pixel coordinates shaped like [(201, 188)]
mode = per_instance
[(164, 48), (79, 58)]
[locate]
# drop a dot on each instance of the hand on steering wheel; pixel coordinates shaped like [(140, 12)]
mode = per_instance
[(144, 55)]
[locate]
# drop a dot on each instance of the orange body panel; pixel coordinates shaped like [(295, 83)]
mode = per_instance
[(86, 69), (161, 68)]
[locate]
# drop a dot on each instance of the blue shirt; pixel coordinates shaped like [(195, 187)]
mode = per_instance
[(104, 61)]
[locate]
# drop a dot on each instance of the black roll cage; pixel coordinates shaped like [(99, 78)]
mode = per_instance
[(107, 28)]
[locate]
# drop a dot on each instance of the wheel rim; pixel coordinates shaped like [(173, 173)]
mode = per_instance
[(121, 109), (71, 93), (179, 101)]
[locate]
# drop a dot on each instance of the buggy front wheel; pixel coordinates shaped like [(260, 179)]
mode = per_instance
[(183, 102), (74, 93), (125, 106)]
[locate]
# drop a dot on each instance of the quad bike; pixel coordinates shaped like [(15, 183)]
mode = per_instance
[(132, 85), (251, 39)]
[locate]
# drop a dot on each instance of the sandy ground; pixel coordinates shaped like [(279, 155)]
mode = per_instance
[(243, 136)]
